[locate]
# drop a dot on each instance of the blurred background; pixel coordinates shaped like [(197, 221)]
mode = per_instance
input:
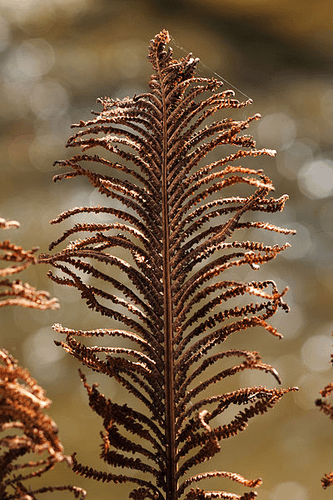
[(57, 57)]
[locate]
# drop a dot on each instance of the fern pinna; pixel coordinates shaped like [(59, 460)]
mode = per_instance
[(164, 294), (13, 260)]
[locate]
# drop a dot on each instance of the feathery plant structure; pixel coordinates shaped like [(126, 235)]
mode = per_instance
[(16, 293), (27, 433), (326, 406), (153, 269), (22, 406)]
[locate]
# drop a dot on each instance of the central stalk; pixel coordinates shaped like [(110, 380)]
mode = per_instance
[(170, 433)]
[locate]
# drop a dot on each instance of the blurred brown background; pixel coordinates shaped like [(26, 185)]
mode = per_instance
[(57, 57)]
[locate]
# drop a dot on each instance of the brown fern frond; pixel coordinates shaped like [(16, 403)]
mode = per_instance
[(22, 406), (152, 264), (326, 406), (26, 431)]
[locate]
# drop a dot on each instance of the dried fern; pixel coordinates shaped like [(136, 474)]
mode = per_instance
[(26, 431), (326, 406), (173, 214), (22, 406)]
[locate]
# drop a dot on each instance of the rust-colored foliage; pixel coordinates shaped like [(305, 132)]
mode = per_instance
[(22, 406), (173, 214), (326, 407), (26, 431), (16, 293)]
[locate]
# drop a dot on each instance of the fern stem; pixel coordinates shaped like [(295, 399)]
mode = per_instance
[(170, 431)]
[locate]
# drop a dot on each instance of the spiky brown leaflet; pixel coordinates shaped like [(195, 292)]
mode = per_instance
[(173, 212)]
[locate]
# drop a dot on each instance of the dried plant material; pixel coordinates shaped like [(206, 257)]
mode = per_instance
[(16, 293), (326, 406), (7, 224), (22, 406), (174, 214), (26, 431)]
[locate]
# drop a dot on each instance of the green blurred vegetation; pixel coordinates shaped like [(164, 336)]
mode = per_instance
[(57, 57)]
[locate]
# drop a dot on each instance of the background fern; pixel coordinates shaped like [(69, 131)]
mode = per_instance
[(29, 442), (325, 405)]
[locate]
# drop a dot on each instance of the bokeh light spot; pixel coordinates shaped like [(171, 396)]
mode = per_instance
[(290, 160), (24, 11), (315, 179), (290, 489), (35, 58), (326, 218), (49, 99), (316, 353), (43, 355), (277, 131)]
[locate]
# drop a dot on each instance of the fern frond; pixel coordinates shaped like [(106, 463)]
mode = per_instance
[(22, 406), (326, 406), (173, 216), (26, 431)]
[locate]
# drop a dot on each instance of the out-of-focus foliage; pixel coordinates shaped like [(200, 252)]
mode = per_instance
[(57, 57), (29, 442)]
